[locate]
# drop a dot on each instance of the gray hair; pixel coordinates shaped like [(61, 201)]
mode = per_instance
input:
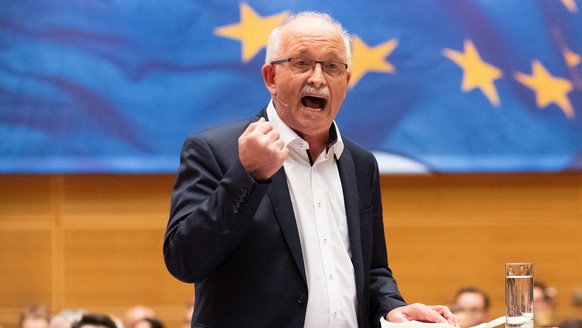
[(274, 44)]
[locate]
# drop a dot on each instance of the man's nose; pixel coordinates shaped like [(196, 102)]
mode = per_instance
[(317, 76)]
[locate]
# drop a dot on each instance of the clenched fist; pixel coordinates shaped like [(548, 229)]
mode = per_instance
[(261, 150)]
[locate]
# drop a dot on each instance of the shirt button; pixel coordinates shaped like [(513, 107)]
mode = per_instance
[(301, 298), (331, 277)]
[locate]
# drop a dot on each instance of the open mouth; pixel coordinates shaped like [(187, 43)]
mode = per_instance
[(314, 102)]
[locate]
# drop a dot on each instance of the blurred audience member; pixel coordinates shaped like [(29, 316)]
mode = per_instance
[(137, 313), (149, 323), (471, 305), (66, 318), (95, 321), (187, 320), (571, 323), (543, 299), (35, 316)]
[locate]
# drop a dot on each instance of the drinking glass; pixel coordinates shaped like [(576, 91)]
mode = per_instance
[(519, 295)]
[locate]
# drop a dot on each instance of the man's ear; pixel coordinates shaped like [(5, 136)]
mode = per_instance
[(349, 77), (268, 71)]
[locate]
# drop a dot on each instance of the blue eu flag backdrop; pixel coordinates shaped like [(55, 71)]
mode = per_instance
[(437, 85)]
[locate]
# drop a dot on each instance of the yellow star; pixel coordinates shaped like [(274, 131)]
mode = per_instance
[(476, 72), (365, 58), (570, 5), (572, 59), (252, 31), (548, 89)]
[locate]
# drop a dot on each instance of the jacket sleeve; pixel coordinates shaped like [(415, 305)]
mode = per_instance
[(384, 292), (213, 203)]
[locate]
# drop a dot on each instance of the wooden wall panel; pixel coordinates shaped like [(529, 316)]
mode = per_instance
[(26, 201), (432, 269), (481, 199), (117, 201), (26, 243), (118, 267), (450, 231), (25, 269), (95, 241)]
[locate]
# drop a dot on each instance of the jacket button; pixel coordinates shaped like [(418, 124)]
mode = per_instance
[(302, 298)]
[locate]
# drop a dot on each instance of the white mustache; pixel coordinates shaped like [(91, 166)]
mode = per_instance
[(309, 90)]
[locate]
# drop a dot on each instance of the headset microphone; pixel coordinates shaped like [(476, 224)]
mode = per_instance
[(281, 101)]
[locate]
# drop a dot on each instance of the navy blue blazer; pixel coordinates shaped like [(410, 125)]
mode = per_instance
[(237, 239)]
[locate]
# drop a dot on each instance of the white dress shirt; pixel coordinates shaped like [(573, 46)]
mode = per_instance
[(318, 203)]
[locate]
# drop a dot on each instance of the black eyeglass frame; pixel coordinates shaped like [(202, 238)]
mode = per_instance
[(288, 60)]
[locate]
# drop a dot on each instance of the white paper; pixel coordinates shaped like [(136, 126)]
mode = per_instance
[(419, 324)]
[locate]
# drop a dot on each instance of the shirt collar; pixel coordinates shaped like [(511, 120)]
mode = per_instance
[(291, 139)]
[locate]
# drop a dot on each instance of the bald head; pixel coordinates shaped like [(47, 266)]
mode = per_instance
[(137, 313), (304, 23)]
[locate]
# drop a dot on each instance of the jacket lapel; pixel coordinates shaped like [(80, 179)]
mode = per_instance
[(279, 195), (347, 173), (281, 201)]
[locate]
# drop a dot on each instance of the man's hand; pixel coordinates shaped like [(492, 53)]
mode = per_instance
[(424, 313), (261, 150)]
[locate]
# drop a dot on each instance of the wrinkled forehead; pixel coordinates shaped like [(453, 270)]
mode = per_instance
[(309, 32)]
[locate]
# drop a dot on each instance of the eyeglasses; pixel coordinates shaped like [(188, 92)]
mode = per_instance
[(302, 65)]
